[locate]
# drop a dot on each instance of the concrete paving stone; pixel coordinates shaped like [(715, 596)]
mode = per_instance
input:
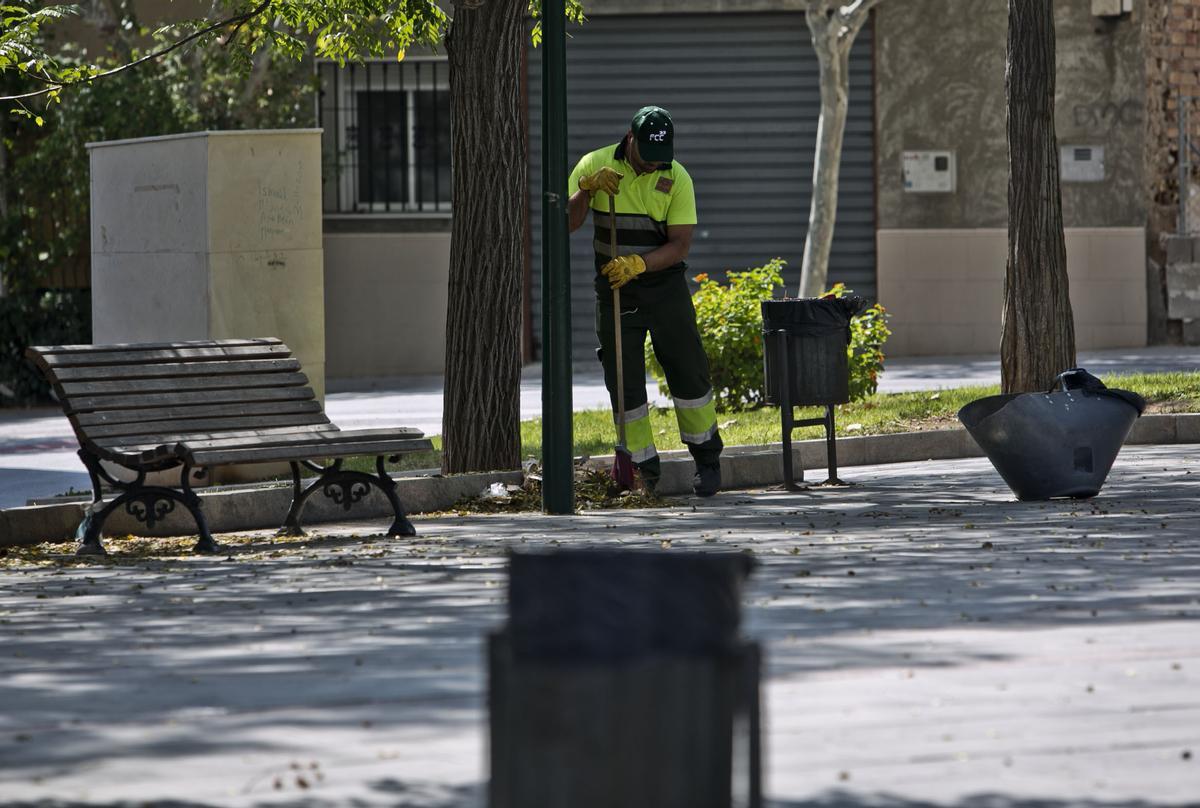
[(56, 523), (753, 469), (930, 642), (1153, 428), (935, 445), (851, 451), (1187, 428)]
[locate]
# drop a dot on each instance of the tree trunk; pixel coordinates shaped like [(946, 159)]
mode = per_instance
[(481, 413), (834, 25), (834, 61), (1038, 339)]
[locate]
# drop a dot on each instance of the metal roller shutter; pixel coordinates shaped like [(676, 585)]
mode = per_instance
[(743, 91)]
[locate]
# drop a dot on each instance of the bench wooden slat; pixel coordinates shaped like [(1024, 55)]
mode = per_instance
[(88, 420), (275, 454), (130, 402), (284, 434), (155, 346), (312, 441), (156, 446), (142, 357), (333, 436), (130, 432), (182, 384), (176, 369)]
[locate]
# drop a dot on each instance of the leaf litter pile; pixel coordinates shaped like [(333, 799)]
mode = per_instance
[(151, 549), (595, 489)]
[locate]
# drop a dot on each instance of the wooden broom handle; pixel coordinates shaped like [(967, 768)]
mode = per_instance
[(612, 252)]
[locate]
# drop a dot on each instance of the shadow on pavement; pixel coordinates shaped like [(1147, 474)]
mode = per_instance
[(296, 645), (849, 799), (397, 795), (381, 793), (177, 659)]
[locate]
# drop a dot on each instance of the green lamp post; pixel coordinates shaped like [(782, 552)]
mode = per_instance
[(558, 489)]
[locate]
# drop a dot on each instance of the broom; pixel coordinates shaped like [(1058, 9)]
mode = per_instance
[(622, 470)]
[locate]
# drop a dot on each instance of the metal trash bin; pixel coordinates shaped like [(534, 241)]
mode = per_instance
[(1061, 443), (621, 679), (805, 364)]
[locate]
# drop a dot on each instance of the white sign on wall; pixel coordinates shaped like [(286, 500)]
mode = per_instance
[(929, 172), (1111, 8), (1081, 163)]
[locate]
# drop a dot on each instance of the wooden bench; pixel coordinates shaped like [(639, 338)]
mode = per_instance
[(193, 406)]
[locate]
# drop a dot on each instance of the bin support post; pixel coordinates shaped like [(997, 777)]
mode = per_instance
[(789, 423), (786, 412), (831, 447), (826, 420)]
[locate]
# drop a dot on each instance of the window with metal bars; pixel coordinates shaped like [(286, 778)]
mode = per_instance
[(386, 141)]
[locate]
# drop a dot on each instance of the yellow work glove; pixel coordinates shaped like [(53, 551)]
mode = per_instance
[(605, 179), (622, 269)]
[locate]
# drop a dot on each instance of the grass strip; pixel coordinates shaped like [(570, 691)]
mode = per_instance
[(880, 414)]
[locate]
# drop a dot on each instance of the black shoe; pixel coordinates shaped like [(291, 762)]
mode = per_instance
[(650, 472), (649, 482), (707, 480)]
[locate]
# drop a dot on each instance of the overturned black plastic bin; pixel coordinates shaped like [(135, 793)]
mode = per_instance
[(806, 364), (622, 679), (1061, 443)]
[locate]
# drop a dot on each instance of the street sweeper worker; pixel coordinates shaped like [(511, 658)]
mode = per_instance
[(655, 216)]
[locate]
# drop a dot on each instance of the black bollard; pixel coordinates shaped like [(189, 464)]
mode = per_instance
[(621, 680)]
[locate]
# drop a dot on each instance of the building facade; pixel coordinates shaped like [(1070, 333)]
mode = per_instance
[(942, 246), (923, 204), (923, 197)]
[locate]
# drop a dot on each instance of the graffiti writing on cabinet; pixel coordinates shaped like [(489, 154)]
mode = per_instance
[(1104, 116)]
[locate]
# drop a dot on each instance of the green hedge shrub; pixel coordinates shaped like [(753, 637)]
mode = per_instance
[(37, 318), (730, 322), (868, 333), (45, 236)]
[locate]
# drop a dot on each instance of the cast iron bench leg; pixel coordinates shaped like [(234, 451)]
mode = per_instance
[(146, 503), (205, 543), (88, 532), (400, 525), (345, 488)]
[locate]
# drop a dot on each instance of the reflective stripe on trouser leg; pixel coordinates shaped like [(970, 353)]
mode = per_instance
[(680, 351), (639, 439), (697, 418), (638, 435)]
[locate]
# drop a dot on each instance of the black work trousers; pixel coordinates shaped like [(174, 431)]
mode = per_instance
[(670, 321)]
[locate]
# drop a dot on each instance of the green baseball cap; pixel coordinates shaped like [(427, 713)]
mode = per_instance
[(655, 134)]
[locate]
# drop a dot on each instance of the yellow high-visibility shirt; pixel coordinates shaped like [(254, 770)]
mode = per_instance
[(646, 205)]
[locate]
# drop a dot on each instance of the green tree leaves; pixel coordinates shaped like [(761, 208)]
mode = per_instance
[(341, 30), (574, 10)]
